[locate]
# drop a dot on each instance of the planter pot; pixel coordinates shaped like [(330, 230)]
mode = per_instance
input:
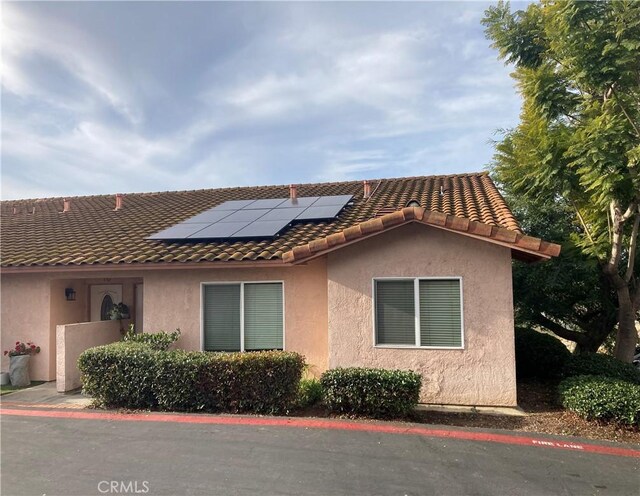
[(4, 379), (19, 370)]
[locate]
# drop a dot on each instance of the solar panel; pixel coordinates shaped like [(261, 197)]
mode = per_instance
[(179, 231), (245, 215), (219, 230), (269, 203), (321, 212), (283, 214), (303, 201), (340, 200), (209, 216), (243, 219), (262, 228)]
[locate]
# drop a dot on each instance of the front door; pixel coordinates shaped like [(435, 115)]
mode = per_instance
[(103, 298)]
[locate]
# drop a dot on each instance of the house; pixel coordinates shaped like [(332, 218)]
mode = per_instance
[(410, 273)]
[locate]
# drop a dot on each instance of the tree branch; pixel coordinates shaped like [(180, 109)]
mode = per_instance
[(624, 111), (563, 332), (632, 248)]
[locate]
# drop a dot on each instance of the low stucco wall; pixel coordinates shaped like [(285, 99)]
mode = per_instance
[(72, 340), (483, 373)]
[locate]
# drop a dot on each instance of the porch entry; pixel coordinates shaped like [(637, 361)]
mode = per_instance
[(103, 299)]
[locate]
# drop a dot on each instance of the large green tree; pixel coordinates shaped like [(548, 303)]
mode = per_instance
[(567, 295), (577, 67)]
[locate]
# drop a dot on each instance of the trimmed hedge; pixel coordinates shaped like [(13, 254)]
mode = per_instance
[(601, 365), (133, 375), (602, 398), (539, 355), (372, 392), (157, 340)]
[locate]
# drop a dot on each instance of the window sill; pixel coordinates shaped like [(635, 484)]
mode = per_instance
[(414, 347)]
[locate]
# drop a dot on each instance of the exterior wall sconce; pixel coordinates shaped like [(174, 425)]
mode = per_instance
[(70, 294)]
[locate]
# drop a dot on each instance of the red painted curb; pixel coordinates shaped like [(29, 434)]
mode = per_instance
[(311, 423)]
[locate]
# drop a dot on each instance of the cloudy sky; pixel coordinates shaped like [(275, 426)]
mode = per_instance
[(121, 97)]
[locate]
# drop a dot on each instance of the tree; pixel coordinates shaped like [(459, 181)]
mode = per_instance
[(577, 66), (567, 295)]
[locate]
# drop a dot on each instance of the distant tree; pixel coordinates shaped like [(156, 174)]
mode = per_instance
[(577, 66)]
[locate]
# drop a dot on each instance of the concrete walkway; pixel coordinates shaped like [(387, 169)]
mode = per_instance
[(45, 396)]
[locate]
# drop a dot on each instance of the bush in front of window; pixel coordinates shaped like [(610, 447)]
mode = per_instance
[(133, 375), (602, 365), (539, 355), (375, 393), (161, 340), (602, 398)]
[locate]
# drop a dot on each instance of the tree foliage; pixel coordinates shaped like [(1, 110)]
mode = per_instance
[(577, 66)]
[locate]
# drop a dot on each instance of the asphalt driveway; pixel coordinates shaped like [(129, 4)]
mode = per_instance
[(71, 456)]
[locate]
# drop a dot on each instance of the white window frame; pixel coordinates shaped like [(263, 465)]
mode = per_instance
[(241, 283), (416, 295)]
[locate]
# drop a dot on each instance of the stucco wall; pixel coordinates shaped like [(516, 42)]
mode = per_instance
[(483, 373), (72, 340), (25, 317), (172, 299)]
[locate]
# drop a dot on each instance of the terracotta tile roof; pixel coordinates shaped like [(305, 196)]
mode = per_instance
[(523, 247), (92, 232)]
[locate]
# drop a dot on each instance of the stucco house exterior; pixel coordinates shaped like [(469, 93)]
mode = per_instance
[(413, 273)]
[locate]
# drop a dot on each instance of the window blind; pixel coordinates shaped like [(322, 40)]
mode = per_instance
[(263, 322), (222, 317), (395, 312), (440, 313)]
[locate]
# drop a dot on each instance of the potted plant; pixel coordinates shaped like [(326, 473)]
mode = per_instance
[(119, 311), (19, 362)]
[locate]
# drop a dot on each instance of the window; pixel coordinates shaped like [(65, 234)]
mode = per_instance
[(416, 312), (243, 316)]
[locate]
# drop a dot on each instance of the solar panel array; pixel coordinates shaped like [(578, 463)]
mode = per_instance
[(250, 219)]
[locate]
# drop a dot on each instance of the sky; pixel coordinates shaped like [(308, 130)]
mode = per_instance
[(130, 97)]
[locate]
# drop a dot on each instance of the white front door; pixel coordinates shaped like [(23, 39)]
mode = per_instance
[(103, 298)]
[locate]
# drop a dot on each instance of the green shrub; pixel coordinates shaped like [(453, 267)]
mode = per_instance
[(133, 375), (371, 392), (310, 393), (602, 365), (157, 340), (602, 398), (120, 374), (539, 355)]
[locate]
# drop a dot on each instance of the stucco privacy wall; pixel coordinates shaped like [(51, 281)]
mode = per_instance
[(72, 340), (34, 304), (173, 299), (483, 373), (25, 317)]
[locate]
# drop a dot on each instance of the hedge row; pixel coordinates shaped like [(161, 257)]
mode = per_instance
[(372, 392), (602, 398), (133, 375), (601, 365)]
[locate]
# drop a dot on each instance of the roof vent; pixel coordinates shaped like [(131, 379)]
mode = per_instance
[(367, 189), (66, 205), (293, 192), (413, 203), (118, 201)]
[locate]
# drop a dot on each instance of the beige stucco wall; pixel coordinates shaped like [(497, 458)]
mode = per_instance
[(483, 373), (72, 340), (173, 299), (32, 305), (25, 317)]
